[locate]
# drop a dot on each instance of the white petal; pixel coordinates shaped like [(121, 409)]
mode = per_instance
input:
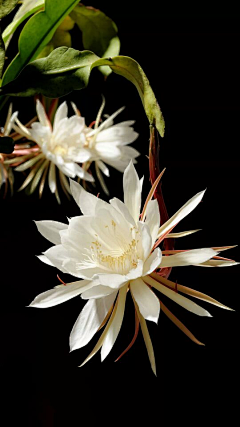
[(147, 340), (218, 263), (146, 240), (152, 262), (114, 281), (192, 257), (86, 201), (50, 230), (61, 113), (103, 168), (181, 213), (89, 321), (107, 150), (181, 234), (132, 191), (43, 118), (52, 177), (153, 219), (44, 259), (116, 324), (59, 295), (98, 291), (146, 300), (179, 299), (122, 209)]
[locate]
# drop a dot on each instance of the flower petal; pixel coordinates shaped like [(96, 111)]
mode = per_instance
[(122, 209), (152, 262), (50, 230), (86, 201), (147, 340), (97, 291), (116, 324), (43, 118), (60, 294), (61, 113), (153, 219), (132, 191), (179, 299), (192, 257), (114, 281), (181, 213), (89, 321), (146, 300)]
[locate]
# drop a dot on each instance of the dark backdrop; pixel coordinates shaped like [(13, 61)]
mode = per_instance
[(190, 58)]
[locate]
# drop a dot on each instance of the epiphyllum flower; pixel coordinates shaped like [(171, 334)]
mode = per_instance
[(112, 251), (60, 145), (6, 174), (107, 143)]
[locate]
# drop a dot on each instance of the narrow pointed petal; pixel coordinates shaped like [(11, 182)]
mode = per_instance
[(180, 214), (60, 294), (116, 324), (132, 191), (179, 324), (153, 219), (192, 257), (44, 259), (89, 321), (152, 262), (179, 299), (188, 291), (50, 230), (218, 263), (147, 340), (52, 178), (87, 202), (102, 337), (146, 300), (43, 118), (103, 168), (181, 234)]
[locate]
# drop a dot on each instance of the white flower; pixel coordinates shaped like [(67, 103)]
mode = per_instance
[(108, 144), (111, 251), (59, 145)]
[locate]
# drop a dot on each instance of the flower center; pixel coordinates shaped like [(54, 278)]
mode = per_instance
[(116, 254)]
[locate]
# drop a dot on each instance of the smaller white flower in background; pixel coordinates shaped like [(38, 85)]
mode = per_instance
[(113, 249), (107, 143), (60, 145), (6, 174)]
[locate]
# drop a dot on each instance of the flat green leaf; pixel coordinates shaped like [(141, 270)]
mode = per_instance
[(67, 69), (63, 71), (37, 33), (6, 145), (6, 6), (28, 8), (2, 54), (99, 32)]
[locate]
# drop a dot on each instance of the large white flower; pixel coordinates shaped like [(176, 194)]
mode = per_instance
[(60, 145), (112, 251)]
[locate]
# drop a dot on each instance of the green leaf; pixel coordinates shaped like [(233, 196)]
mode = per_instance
[(63, 71), (37, 33), (67, 69), (99, 32), (6, 145), (2, 54), (6, 6), (28, 8)]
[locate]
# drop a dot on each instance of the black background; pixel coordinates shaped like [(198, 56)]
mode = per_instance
[(190, 57)]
